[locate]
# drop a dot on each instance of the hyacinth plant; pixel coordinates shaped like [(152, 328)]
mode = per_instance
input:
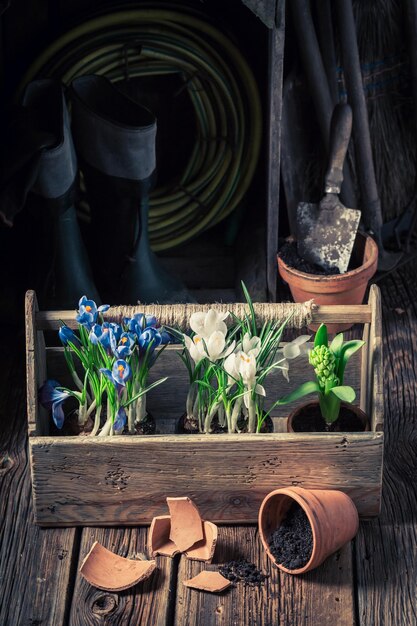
[(116, 359), (329, 363), (228, 367)]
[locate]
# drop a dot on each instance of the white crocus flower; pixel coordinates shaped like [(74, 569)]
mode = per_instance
[(231, 366), (292, 350), (216, 346), (251, 345), (193, 347), (205, 324), (247, 369)]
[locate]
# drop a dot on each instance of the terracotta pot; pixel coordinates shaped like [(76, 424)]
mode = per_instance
[(348, 288), (313, 406), (332, 515)]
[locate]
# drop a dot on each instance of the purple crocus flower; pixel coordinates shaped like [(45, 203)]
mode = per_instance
[(66, 334), (88, 312), (51, 397)]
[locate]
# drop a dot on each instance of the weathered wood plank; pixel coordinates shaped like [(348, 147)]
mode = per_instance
[(354, 314), (150, 602), (85, 481), (34, 563), (38, 418), (322, 597), (385, 548)]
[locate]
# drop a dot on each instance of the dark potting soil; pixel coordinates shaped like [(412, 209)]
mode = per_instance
[(289, 254), (145, 427), (292, 543), (242, 571), (267, 425), (311, 421)]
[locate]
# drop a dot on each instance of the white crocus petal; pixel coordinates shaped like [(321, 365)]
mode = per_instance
[(247, 368), (230, 366), (247, 398), (251, 344), (215, 345), (230, 350), (224, 316), (213, 322), (197, 322), (260, 390), (285, 366), (296, 347)]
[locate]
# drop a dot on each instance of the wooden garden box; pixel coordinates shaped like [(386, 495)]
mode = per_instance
[(124, 480)]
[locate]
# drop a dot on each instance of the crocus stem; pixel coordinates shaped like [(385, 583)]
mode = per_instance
[(252, 415), (82, 414), (229, 418), (209, 417), (221, 415), (237, 407), (91, 408), (105, 431), (141, 408), (131, 417), (80, 385), (191, 397), (96, 421)]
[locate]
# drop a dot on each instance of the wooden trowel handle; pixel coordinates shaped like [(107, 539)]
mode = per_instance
[(340, 130)]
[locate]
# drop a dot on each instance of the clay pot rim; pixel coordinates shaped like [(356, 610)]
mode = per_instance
[(286, 492), (363, 269), (353, 407)]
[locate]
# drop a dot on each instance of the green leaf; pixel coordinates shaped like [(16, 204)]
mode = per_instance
[(252, 310), (321, 338), (337, 344), (344, 393), (144, 391), (346, 352), (303, 390)]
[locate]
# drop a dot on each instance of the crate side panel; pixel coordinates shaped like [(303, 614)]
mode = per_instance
[(122, 480)]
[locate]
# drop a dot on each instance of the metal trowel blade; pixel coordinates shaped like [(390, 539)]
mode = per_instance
[(326, 236)]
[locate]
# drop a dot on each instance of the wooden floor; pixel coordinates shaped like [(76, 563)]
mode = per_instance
[(372, 581)]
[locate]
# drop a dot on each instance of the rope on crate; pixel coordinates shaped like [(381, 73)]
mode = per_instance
[(178, 315)]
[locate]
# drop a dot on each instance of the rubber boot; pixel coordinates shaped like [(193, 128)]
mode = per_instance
[(115, 141), (56, 184)]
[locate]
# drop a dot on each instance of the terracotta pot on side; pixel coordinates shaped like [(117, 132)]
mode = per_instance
[(348, 288), (332, 515)]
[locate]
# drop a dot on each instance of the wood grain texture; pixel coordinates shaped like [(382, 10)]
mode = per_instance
[(149, 602), (34, 563), (36, 370), (385, 548), (86, 481), (322, 597)]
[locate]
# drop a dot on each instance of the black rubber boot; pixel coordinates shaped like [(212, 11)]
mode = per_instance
[(56, 184), (115, 141)]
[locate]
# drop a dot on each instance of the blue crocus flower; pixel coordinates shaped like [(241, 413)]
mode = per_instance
[(120, 421), (126, 344), (51, 397), (66, 334), (150, 336), (166, 337), (118, 375), (88, 311), (117, 330), (103, 334)]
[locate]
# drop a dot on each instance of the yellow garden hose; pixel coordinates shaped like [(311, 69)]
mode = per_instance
[(219, 83)]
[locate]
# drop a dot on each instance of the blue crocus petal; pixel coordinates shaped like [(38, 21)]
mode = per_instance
[(150, 335), (87, 312), (48, 393), (95, 334), (121, 372), (151, 321), (107, 374), (58, 414), (166, 337), (103, 308), (82, 301), (117, 330), (120, 421), (66, 334)]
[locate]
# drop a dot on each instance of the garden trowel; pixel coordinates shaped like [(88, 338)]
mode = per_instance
[(326, 231)]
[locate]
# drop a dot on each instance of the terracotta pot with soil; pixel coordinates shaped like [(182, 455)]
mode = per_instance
[(348, 288), (300, 528), (307, 418)]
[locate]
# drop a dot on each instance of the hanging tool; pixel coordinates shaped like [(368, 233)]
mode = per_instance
[(326, 232), (371, 204)]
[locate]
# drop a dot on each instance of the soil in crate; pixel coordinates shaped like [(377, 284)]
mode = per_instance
[(292, 543), (311, 421), (189, 426)]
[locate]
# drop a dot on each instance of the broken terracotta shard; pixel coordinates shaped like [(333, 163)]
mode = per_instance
[(158, 538), (208, 581), (186, 523), (108, 571), (204, 550)]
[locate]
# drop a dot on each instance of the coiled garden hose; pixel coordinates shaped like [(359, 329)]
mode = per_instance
[(220, 85)]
